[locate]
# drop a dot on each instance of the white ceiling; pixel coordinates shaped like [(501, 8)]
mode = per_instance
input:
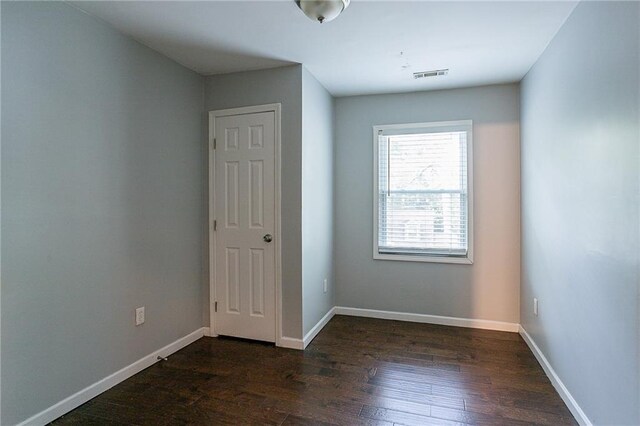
[(358, 53)]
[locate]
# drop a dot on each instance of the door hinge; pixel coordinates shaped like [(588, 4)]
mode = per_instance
[(215, 225), (215, 143), (215, 306)]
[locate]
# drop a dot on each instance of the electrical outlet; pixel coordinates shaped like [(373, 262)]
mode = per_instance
[(140, 315), (535, 306), (324, 285)]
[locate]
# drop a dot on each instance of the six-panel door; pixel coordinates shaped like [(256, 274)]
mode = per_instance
[(244, 200)]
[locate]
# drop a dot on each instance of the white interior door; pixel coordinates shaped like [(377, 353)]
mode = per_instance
[(244, 205)]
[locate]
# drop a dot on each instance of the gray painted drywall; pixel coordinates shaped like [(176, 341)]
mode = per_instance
[(488, 289), (278, 85), (317, 201), (102, 184), (0, 223), (580, 217)]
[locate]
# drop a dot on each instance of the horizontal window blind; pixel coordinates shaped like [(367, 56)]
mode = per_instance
[(422, 192)]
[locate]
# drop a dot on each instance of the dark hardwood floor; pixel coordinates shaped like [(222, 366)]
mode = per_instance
[(357, 371)]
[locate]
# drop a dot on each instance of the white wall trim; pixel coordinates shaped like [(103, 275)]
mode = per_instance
[(301, 344), (429, 319), (91, 391), (291, 343), (566, 396), (207, 332), (318, 327)]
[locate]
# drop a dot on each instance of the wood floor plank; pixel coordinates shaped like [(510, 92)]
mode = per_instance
[(402, 418), (358, 371), (76, 418), (292, 420)]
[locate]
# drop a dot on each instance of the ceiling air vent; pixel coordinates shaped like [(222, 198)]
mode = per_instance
[(434, 73)]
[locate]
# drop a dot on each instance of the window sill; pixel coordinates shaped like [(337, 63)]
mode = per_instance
[(429, 259)]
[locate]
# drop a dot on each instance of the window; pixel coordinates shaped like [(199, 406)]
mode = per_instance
[(423, 192)]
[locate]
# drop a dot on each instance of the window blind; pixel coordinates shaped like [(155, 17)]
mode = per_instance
[(422, 192)]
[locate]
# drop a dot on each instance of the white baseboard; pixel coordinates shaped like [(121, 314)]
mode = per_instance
[(319, 326), (562, 390), (290, 343), (208, 333), (429, 319), (91, 391), (301, 344)]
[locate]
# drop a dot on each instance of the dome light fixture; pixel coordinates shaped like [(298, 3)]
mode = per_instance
[(322, 10)]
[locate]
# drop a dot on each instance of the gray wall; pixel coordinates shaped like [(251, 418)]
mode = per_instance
[(317, 200), (278, 85), (0, 225), (580, 218), (488, 289), (102, 184)]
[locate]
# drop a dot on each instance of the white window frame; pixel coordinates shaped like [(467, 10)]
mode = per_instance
[(468, 259)]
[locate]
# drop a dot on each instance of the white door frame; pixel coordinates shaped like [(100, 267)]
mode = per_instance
[(276, 109)]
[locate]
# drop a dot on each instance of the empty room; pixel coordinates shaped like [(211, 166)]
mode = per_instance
[(320, 212)]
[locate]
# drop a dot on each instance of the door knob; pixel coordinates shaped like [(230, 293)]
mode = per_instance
[(268, 238)]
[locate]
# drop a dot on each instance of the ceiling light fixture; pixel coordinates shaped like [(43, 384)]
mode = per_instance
[(322, 10)]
